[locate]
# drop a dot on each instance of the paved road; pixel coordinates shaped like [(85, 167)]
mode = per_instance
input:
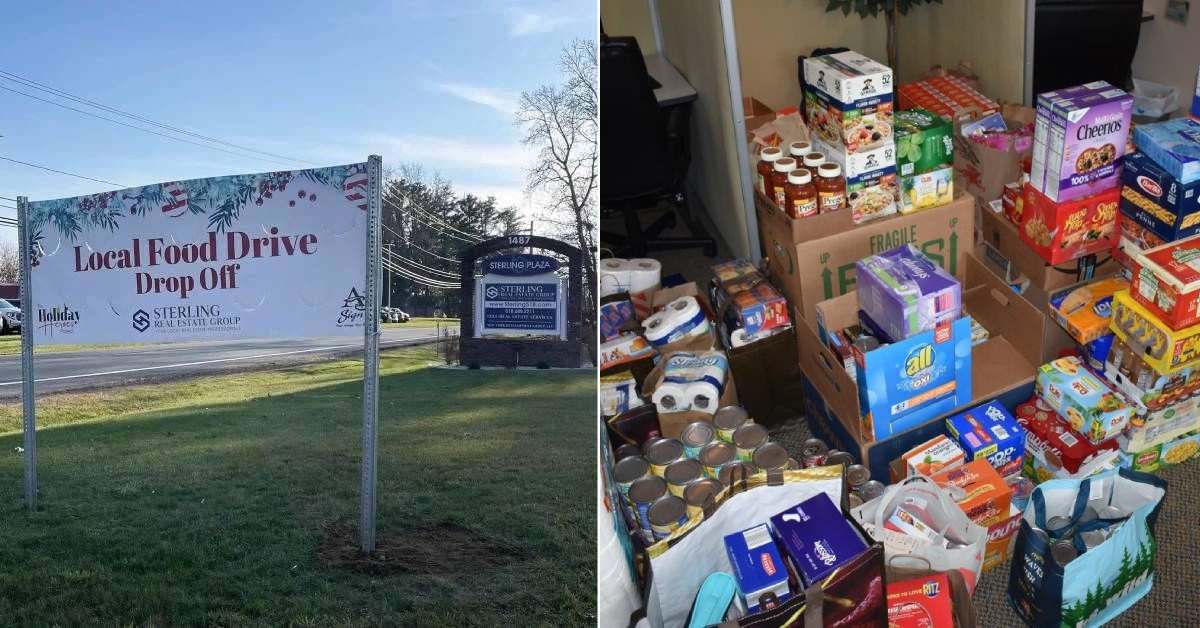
[(58, 372)]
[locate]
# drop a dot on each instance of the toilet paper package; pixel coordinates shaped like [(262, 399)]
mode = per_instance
[(645, 277), (680, 319), (906, 293), (692, 381), (615, 276), (671, 397)]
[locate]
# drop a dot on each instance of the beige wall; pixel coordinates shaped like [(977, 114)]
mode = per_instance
[(990, 34), (772, 33), (1168, 52), (629, 17)]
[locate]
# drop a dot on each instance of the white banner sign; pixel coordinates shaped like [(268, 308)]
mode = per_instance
[(245, 256)]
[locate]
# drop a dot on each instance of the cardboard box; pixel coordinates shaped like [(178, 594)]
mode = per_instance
[(847, 76), (1167, 350), (933, 456), (817, 538), (948, 96), (856, 164), (990, 433), (1088, 403), (1162, 455), (859, 126), (1054, 451), (986, 497), (926, 190), (924, 142), (923, 602), (1145, 388), (1085, 309), (1157, 201), (1135, 239), (1062, 231), (1166, 282), (1041, 136), (963, 607), (1174, 145), (812, 259)]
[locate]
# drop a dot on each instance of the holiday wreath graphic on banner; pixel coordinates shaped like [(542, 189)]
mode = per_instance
[(256, 255)]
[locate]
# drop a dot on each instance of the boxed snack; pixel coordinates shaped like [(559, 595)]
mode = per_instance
[(1000, 538), (1062, 231), (1089, 405), (1154, 199), (1167, 350), (986, 496), (1153, 458), (1147, 389), (817, 537), (1086, 142), (933, 456), (856, 164), (761, 309), (1085, 310), (920, 603), (924, 142), (1166, 280), (872, 195), (989, 432), (948, 96), (1053, 450), (906, 293), (761, 574), (1174, 145), (858, 126), (847, 76), (925, 190), (735, 270), (1046, 101)]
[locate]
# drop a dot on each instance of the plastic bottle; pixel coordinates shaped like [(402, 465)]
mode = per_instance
[(831, 188), (779, 179), (800, 196), (766, 166)]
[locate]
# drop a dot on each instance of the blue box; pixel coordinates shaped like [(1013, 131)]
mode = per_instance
[(1156, 200), (990, 431), (758, 567), (817, 538), (1174, 145)]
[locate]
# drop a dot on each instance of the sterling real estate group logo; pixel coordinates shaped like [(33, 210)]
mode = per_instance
[(176, 319), (141, 320)]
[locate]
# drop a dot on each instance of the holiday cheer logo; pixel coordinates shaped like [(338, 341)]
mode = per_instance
[(57, 319)]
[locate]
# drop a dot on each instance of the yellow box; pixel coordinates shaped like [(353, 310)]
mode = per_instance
[(1169, 351)]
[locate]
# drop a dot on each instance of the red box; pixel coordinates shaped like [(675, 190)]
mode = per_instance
[(1134, 239), (1060, 232), (920, 603), (1166, 279)]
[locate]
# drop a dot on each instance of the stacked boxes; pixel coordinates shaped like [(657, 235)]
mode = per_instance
[(905, 293), (1054, 451), (924, 159), (1155, 200), (1046, 101), (989, 432), (948, 96), (1067, 230), (1166, 280), (1085, 141), (1167, 350), (1088, 404), (1174, 145)]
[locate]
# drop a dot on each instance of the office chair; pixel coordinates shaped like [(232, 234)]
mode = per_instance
[(643, 155)]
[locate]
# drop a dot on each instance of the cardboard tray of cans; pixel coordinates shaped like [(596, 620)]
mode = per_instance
[(1166, 280)]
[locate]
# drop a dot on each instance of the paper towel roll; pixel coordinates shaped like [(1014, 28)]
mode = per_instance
[(615, 276), (682, 318), (645, 274), (704, 396), (671, 397)]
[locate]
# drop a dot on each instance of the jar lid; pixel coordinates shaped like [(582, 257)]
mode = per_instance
[(829, 171), (798, 149), (770, 153), (785, 164), (800, 176), (814, 159)]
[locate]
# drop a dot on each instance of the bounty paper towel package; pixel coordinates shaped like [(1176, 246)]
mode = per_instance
[(906, 293)]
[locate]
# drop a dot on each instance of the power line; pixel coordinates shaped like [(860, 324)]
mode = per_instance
[(7, 206), (408, 242), (69, 174), (433, 283), (79, 99), (434, 219), (8, 199), (436, 271)]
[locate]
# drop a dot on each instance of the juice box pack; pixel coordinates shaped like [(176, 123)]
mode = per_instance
[(762, 576), (1060, 231), (925, 190), (1166, 280), (848, 76), (1086, 142), (817, 537), (1089, 406), (1167, 350), (1174, 145), (906, 293), (1155, 200), (850, 127), (989, 432), (924, 142)]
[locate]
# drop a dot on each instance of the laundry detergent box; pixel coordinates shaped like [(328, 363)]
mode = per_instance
[(1174, 145), (1087, 403), (761, 574), (1087, 141), (906, 293), (1153, 198), (817, 537), (990, 432)]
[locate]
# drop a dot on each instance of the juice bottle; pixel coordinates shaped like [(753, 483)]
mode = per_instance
[(783, 166), (800, 195), (767, 159), (798, 150), (831, 188)]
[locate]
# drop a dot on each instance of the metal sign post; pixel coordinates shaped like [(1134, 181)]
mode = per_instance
[(27, 374), (370, 431)]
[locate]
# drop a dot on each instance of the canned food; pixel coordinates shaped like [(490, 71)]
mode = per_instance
[(643, 493), (1041, 534), (626, 450), (663, 452), (857, 475), (666, 516), (695, 436), (728, 419), (681, 473), (792, 465), (697, 494), (1092, 538), (1112, 512), (1060, 526), (871, 489), (1063, 552), (770, 457), (735, 471), (839, 457), (747, 438), (854, 500), (866, 343), (629, 470), (715, 455), (1089, 514), (813, 452)]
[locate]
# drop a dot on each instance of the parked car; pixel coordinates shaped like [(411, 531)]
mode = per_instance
[(10, 317)]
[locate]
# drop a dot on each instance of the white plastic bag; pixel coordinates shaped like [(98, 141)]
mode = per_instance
[(1153, 100)]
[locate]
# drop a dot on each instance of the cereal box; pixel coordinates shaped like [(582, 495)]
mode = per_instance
[(847, 76), (1088, 404), (817, 537), (1084, 311), (1087, 140), (1174, 145), (989, 432), (920, 603), (856, 127), (932, 456), (924, 142), (926, 190), (1063, 231), (1041, 133), (1166, 280), (1152, 198), (761, 574), (906, 293), (1167, 350)]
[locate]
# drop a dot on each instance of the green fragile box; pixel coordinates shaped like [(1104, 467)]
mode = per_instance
[(924, 142)]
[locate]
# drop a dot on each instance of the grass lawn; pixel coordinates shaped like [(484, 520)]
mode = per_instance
[(11, 345), (231, 500), (426, 322)]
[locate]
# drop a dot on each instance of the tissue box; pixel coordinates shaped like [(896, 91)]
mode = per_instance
[(1063, 231), (1174, 145), (847, 76), (1086, 142), (987, 496), (759, 569), (1167, 282), (1054, 451), (1084, 311), (905, 293), (990, 432), (1152, 198), (1087, 403), (1167, 350), (817, 538)]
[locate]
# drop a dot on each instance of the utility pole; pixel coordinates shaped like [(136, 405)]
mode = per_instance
[(388, 267)]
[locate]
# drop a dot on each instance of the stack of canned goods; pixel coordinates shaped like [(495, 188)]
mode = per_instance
[(1068, 538)]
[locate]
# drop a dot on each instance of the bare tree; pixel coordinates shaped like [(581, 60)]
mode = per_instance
[(563, 122), (10, 265)]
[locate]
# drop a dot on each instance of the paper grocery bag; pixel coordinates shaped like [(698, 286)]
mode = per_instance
[(768, 378), (984, 170)]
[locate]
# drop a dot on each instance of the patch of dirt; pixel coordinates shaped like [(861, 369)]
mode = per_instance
[(442, 549)]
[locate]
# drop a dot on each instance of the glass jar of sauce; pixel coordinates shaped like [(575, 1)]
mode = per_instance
[(798, 150), (783, 166), (813, 160), (767, 158), (831, 188), (800, 196)]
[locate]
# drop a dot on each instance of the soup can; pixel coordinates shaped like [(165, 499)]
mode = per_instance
[(856, 476), (813, 452), (728, 419), (1063, 552), (1093, 538), (666, 515), (854, 500), (681, 473), (1112, 512), (1041, 534), (697, 494), (736, 471), (695, 436), (871, 489), (626, 450), (839, 457), (1060, 526), (793, 465), (747, 438), (715, 455), (770, 457), (643, 493), (663, 452), (629, 470)]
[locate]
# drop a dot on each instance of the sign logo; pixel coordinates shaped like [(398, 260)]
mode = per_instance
[(61, 319), (930, 588), (768, 564), (1150, 186), (519, 265), (918, 361), (492, 292), (141, 320), (824, 554), (354, 308)]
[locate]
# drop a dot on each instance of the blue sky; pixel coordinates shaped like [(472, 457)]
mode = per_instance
[(433, 83)]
